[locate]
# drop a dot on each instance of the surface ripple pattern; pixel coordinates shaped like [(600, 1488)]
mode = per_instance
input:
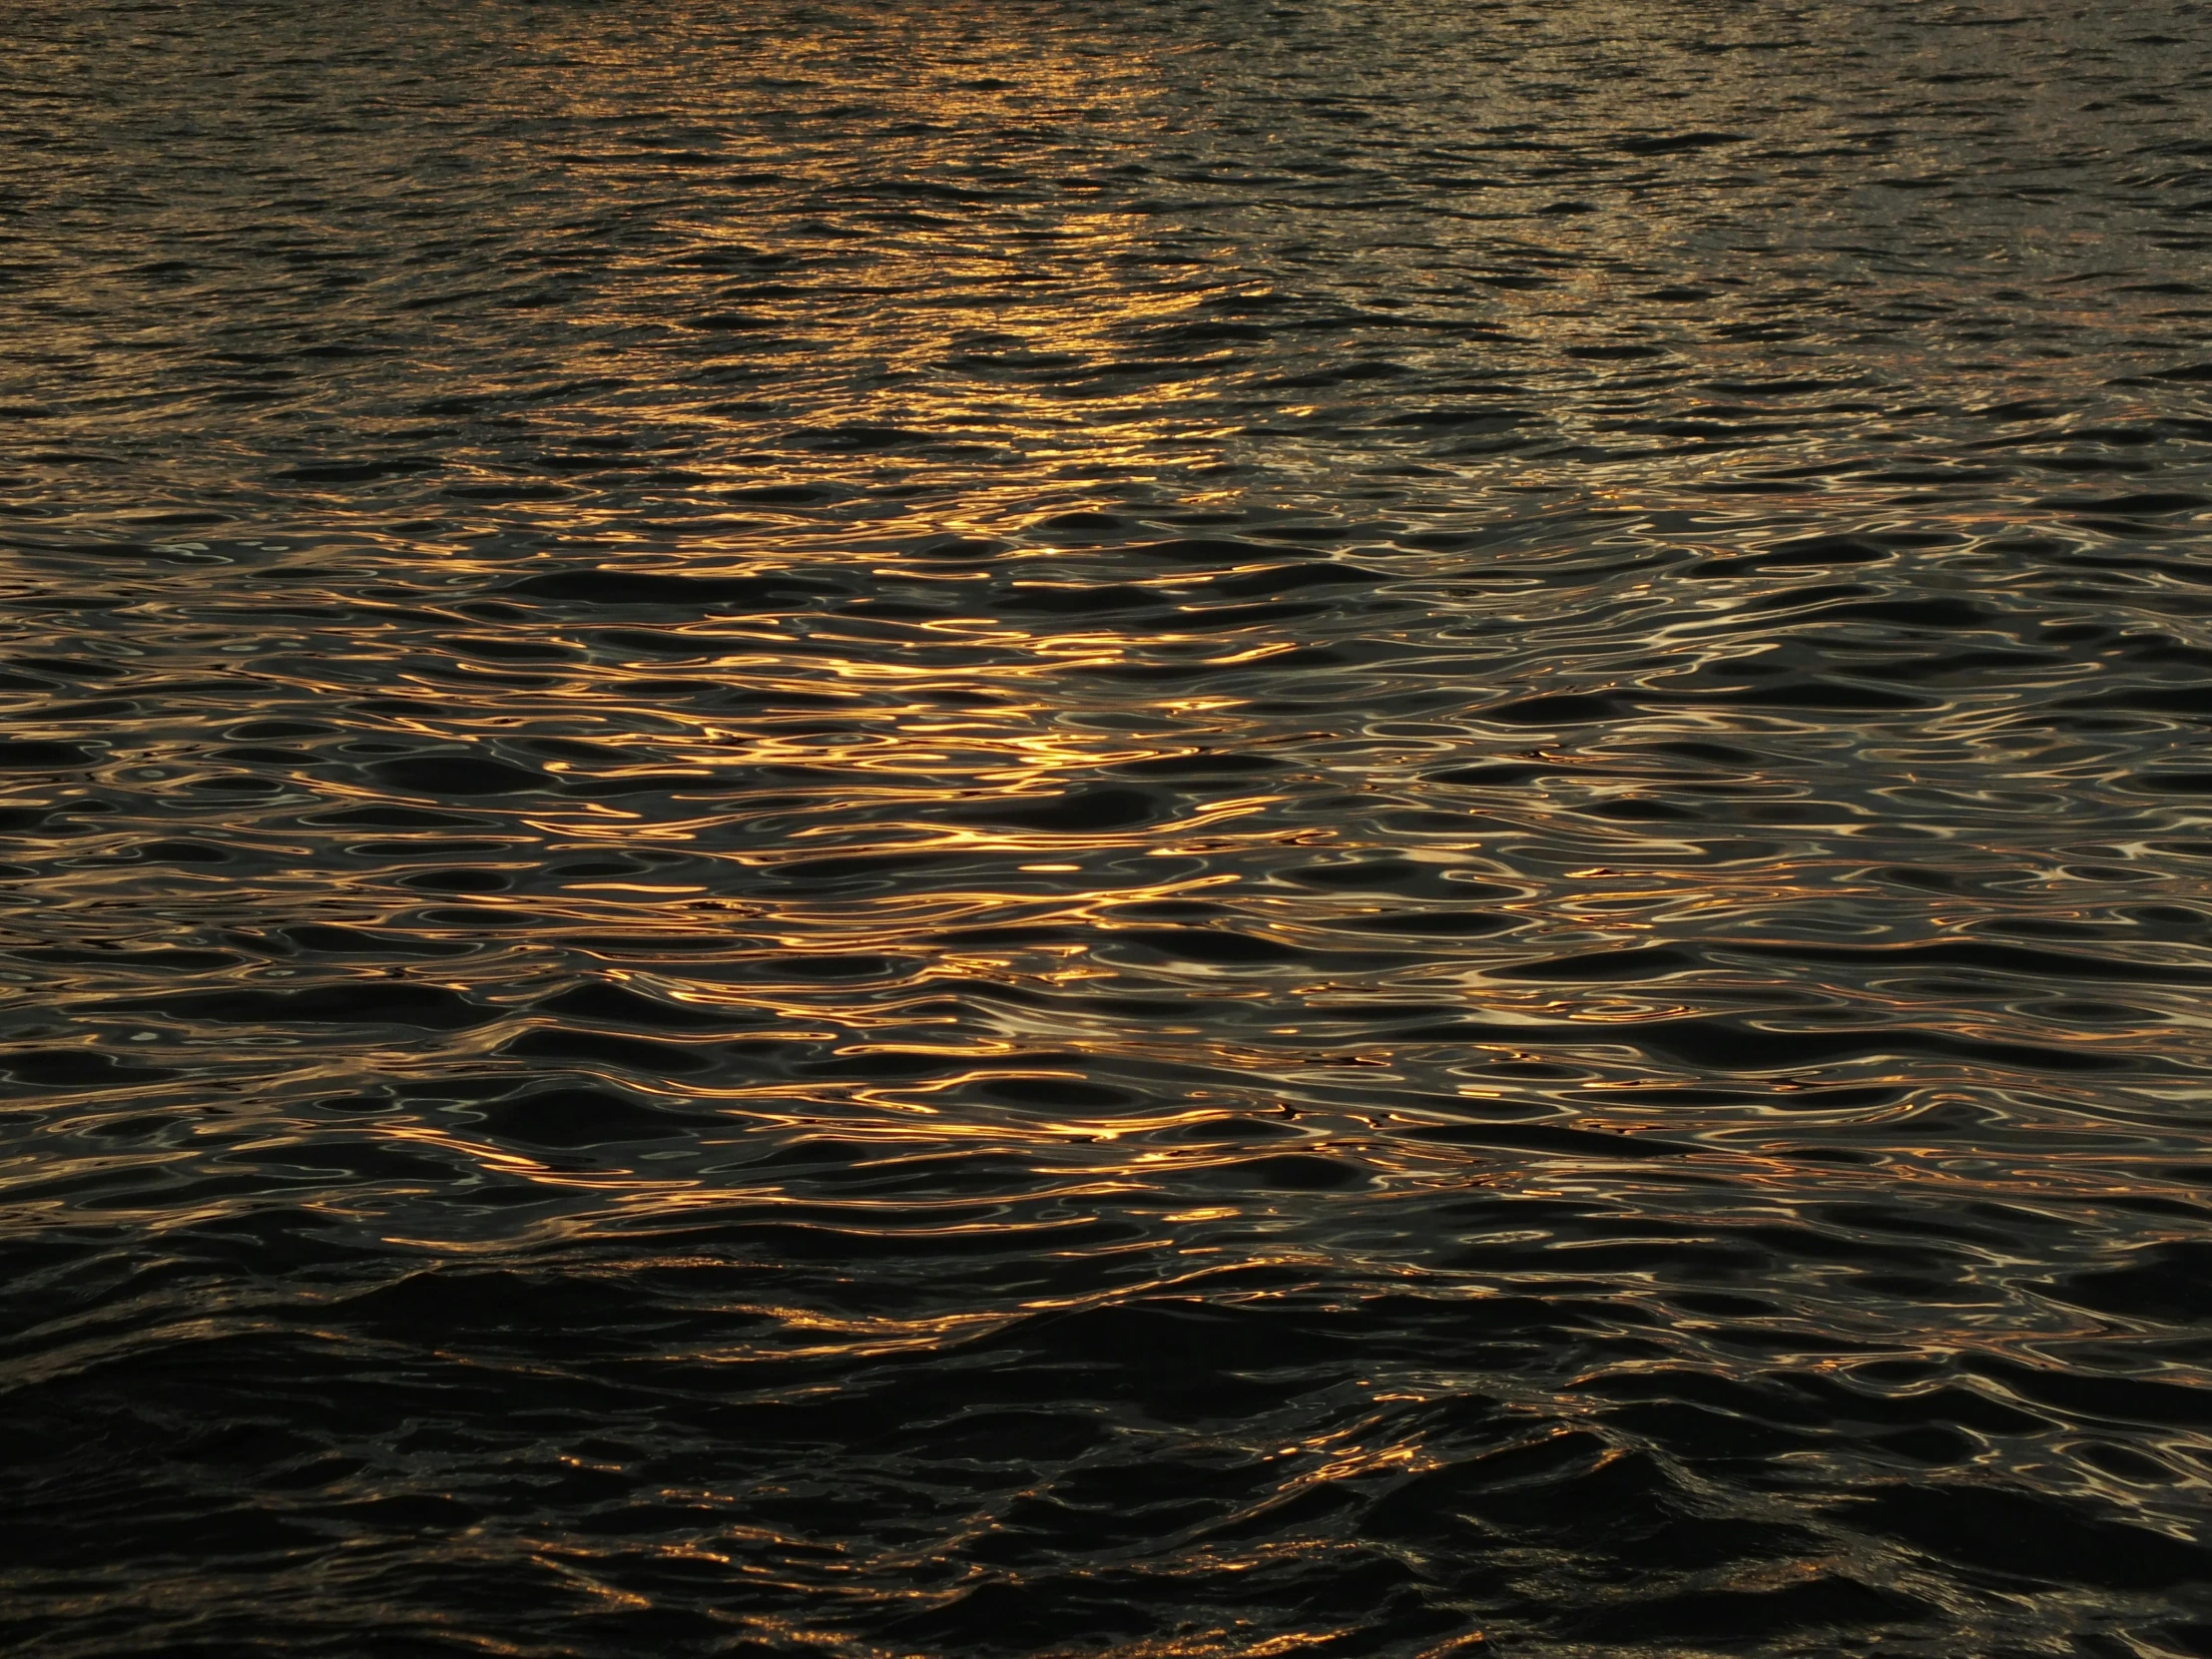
[(1145, 828)]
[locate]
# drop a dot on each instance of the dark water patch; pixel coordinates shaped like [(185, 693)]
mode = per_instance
[(36, 754), (1730, 1045), (582, 1117), (182, 853), (458, 774), (1099, 809), (1200, 766), (653, 1059), (175, 960), (1081, 601), (2000, 958), (364, 1002), (1434, 923), (1210, 945), (1055, 1092), (73, 1068), (617, 1006), (1563, 709), (1649, 962), (2167, 1282), (398, 817), (326, 939), (864, 865), (723, 595), (1365, 873), (1824, 1604), (1543, 1137), (2019, 1535), (1285, 578)]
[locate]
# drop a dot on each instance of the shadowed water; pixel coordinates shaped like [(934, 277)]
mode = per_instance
[(1166, 829)]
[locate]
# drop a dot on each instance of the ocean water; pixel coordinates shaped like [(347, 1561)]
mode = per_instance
[(875, 831)]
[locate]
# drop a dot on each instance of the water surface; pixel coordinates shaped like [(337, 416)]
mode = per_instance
[(1177, 830)]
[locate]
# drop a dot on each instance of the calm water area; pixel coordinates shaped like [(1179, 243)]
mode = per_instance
[(1139, 827)]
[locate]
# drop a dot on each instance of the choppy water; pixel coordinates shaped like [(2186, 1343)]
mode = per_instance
[(1187, 830)]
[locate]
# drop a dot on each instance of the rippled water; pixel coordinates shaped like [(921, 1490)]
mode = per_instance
[(1184, 828)]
